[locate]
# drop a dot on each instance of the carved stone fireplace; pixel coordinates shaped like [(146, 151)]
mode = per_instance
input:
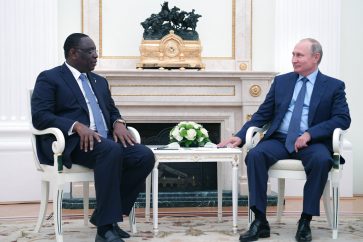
[(162, 97), (227, 98)]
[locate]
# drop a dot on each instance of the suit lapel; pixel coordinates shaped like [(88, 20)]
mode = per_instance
[(73, 85), (289, 87), (318, 91)]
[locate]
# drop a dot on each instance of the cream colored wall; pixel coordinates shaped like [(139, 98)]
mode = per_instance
[(351, 73), (69, 21), (263, 35)]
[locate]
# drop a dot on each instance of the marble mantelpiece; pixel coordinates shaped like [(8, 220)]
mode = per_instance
[(166, 96)]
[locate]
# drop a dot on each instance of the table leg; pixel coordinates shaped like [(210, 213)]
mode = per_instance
[(155, 178), (219, 185), (147, 198), (234, 197)]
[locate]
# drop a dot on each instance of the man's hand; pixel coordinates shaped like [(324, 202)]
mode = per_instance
[(230, 142), (121, 133), (302, 141), (87, 136)]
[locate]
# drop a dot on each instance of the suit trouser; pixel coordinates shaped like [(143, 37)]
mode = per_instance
[(120, 175), (317, 162)]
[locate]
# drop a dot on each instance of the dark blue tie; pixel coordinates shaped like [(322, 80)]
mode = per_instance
[(97, 113), (295, 121)]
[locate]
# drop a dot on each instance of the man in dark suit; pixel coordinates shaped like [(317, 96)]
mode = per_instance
[(79, 103), (316, 105)]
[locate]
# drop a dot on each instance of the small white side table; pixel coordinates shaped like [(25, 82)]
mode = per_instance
[(231, 155)]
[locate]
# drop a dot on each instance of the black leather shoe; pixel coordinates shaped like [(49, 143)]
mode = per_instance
[(258, 229), (123, 234), (303, 233), (110, 236)]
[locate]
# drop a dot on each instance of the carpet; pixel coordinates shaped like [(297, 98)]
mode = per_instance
[(180, 229)]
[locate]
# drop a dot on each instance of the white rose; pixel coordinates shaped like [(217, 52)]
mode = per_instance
[(176, 134), (197, 126), (204, 132), (191, 133)]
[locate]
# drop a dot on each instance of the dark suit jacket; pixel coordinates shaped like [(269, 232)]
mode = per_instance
[(328, 108), (57, 101)]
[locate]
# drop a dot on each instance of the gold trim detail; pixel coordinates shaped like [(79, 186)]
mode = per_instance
[(243, 66), (255, 90), (248, 117)]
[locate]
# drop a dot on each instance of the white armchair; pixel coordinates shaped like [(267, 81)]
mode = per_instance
[(293, 169), (59, 177)]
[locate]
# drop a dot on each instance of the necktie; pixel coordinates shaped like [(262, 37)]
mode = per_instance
[(96, 110), (294, 126)]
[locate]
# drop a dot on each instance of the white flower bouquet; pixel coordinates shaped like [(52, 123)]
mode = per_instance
[(189, 134)]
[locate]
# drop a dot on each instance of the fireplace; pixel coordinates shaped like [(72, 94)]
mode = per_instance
[(181, 177), (164, 98)]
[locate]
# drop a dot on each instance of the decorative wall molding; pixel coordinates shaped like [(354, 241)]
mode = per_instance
[(239, 32), (295, 20), (29, 46)]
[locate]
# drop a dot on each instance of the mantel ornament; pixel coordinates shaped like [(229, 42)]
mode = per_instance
[(170, 40)]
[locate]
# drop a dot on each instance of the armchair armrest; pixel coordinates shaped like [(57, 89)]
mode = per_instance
[(338, 138), (338, 141), (57, 146), (251, 131), (135, 133)]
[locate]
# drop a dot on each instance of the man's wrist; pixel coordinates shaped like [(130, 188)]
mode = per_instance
[(119, 121)]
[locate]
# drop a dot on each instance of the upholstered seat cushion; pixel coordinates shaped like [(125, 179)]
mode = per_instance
[(288, 164), (75, 169)]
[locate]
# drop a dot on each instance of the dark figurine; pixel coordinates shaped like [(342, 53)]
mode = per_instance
[(183, 23)]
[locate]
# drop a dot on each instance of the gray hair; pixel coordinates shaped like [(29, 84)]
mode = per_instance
[(315, 47)]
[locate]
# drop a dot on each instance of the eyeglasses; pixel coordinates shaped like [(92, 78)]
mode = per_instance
[(89, 51)]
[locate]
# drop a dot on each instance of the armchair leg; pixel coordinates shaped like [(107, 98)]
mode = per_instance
[(335, 212), (132, 220), (280, 198), (327, 203), (85, 202), (57, 210), (44, 187)]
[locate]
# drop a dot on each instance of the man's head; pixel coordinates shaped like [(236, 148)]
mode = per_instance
[(80, 52), (306, 56)]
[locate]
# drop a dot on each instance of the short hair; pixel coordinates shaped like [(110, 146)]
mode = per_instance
[(72, 41), (315, 47)]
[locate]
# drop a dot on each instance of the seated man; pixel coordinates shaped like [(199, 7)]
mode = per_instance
[(302, 108), (78, 102)]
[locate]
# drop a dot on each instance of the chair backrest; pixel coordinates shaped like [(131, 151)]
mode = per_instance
[(32, 136)]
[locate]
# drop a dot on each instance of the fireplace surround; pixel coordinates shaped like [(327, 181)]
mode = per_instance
[(166, 97), (227, 98)]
